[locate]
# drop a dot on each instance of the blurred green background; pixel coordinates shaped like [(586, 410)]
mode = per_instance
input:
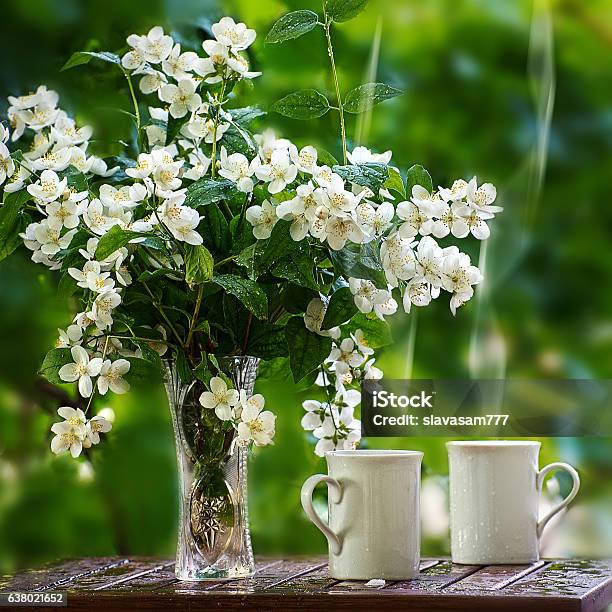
[(520, 93)]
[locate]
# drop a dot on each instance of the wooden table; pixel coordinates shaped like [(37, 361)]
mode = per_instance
[(137, 583)]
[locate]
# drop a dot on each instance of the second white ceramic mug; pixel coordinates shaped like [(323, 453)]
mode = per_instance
[(373, 500), (495, 488)]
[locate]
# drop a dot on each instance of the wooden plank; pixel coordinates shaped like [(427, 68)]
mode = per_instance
[(353, 586), (129, 579), (271, 576), (237, 585), (435, 578), (570, 578), (313, 581), (494, 577), (157, 579), (60, 573)]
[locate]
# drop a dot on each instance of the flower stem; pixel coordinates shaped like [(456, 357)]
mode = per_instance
[(194, 318), (163, 314), (215, 126), (133, 95), (330, 52)]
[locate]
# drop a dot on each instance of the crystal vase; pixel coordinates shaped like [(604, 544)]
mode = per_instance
[(213, 539)]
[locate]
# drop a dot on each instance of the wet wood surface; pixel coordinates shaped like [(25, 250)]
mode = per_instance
[(137, 583)]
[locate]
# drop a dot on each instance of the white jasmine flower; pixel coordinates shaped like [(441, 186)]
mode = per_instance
[(152, 81), (50, 239), (362, 342), (234, 35), (7, 165), (376, 221), (49, 187), (418, 292), (155, 46), (482, 197), (338, 231), (144, 167), (256, 424), (220, 398), (476, 221), (458, 275), (82, 370), (240, 65), (313, 319), (347, 354), (56, 159), (371, 372), (305, 160), (111, 377), (178, 65), (91, 266), (182, 223), (199, 165), (95, 426), (64, 214), (324, 176), (74, 418), (70, 433), (236, 168), (458, 191), (263, 219), (99, 282), (96, 219), (4, 133), (451, 221), (17, 180), (182, 97), (429, 258), (363, 155), (204, 127), (336, 198), (279, 173), (429, 203), (166, 176), (66, 134), (126, 196), (417, 220), (72, 335), (102, 308), (312, 419)]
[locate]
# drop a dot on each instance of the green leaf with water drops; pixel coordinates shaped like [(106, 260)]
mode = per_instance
[(81, 58), (343, 10), (417, 175), (292, 25), (248, 292), (303, 104), (307, 350), (366, 96)]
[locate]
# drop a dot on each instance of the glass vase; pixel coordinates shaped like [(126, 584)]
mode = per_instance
[(213, 538)]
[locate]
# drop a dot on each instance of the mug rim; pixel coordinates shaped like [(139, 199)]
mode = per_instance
[(374, 453), (493, 443)]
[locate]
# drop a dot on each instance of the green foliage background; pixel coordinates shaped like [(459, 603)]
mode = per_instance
[(469, 107)]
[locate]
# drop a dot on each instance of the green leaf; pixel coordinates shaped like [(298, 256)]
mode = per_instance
[(307, 350), (53, 361), (377, 333), (12, 221), (246, 115), (84, 57), (276, 247), (417, 175), (142, 370), (207, 191), (77, 180), (214, 228), (199, 264), (372, 175), (340, 309), (343, 10), (303, 104), (267, 341), (360, 261), (149, 275), (67, 286), (113, 240), (247, 258), (242, 234), (366, 96), (248, 292), (395, 182), (297, 267), (292, 25), (325, 158), (174, 126)]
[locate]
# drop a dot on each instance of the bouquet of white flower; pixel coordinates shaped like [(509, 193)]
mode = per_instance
[(206, 248), (207, 240)]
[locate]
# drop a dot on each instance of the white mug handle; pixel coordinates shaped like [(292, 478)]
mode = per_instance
[(334, 492), (563, 503)]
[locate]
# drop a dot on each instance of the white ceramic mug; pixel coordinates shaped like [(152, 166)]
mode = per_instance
[(495, 489), (373, 501)]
